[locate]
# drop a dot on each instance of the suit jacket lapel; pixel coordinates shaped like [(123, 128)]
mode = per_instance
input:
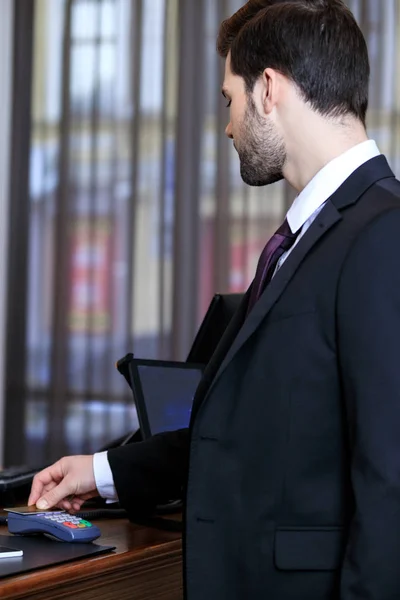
[(325, 220), (241, 329)]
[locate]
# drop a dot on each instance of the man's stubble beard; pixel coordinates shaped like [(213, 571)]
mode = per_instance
[(261, 150)]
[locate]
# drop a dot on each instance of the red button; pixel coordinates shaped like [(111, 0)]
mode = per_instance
[(70, 525)]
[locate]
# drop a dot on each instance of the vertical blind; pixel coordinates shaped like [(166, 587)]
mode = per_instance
[(137, 213)]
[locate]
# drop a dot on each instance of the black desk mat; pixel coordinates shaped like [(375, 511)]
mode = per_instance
[(40, 551)]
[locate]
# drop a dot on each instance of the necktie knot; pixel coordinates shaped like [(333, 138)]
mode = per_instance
[(282, 240), (285, 230), (288, 238)]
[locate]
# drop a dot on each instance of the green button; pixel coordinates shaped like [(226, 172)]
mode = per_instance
[(86, 523)]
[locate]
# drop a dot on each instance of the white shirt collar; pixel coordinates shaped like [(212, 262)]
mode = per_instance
[(327, 181)]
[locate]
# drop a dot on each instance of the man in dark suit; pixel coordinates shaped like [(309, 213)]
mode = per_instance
[(291, 466)]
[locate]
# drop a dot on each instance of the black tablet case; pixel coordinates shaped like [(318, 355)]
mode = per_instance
[(40, 552)]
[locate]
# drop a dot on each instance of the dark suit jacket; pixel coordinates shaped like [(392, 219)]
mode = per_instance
[(293, 480)]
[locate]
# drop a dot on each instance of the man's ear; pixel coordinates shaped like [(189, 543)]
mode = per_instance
[(271, 86)]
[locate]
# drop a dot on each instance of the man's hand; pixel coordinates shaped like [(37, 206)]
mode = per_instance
[(65, 484)]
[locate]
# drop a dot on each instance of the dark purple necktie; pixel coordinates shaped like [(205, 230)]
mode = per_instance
[(282, 240)]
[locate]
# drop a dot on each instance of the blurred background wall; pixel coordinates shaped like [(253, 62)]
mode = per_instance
[(6, 58), (127, 211)]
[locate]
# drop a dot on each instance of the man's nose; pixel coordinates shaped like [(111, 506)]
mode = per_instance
[(228, 131)]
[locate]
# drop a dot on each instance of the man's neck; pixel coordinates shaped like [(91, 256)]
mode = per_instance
[(309, 154)]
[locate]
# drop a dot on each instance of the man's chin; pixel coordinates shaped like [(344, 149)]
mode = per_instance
[(256, 181)]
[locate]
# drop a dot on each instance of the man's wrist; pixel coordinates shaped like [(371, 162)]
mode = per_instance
[(103, 476)]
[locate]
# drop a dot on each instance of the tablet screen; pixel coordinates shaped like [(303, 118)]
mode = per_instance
[(168, 393)]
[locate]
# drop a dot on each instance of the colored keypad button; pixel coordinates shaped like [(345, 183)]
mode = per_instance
[(86, 523), (70, 525)]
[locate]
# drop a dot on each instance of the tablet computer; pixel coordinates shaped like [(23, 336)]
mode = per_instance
[(163, 392), (217, 318)]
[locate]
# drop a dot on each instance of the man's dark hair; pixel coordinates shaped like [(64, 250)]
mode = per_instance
[(317, 44)]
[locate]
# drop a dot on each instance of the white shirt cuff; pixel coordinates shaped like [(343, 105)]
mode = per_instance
[(103, 477)]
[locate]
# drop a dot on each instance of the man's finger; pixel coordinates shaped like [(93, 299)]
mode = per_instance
[(76, 506), (65, 505), (38, 486), (41, 481), (74, 503), (87, 496), (56, 495)]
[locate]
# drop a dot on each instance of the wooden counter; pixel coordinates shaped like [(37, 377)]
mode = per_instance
[(146, 565)]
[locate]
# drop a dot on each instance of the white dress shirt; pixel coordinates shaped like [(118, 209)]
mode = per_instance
[(103, 477), (311, 200), (301, 214)]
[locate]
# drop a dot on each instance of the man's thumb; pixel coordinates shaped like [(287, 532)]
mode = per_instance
[(53, 497)]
